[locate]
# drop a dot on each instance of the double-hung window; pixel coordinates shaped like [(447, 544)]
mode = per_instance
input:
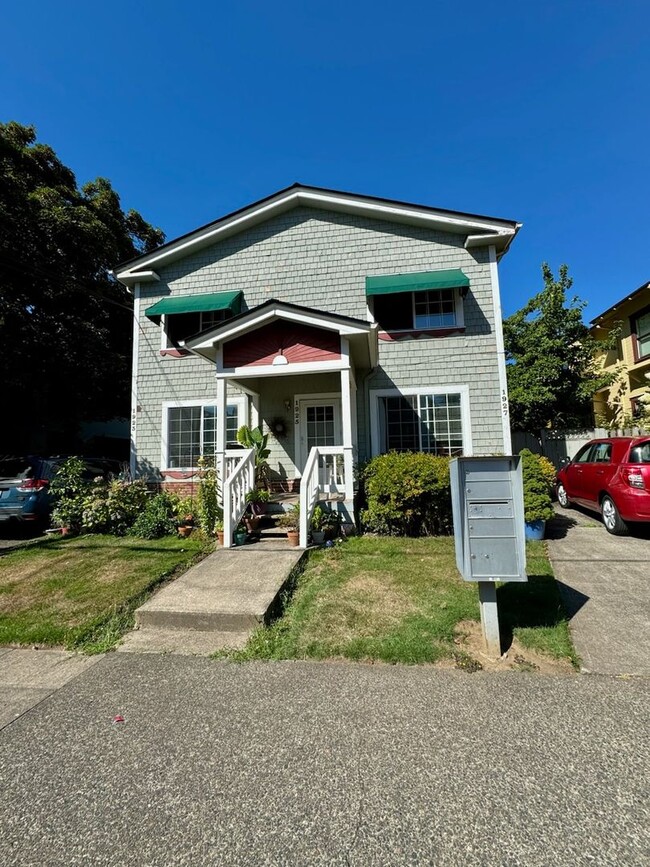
[(641, 328), (427, 420), (423, 301), (190, 432)]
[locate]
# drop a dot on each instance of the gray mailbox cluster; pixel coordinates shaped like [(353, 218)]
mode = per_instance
[(488, 509)]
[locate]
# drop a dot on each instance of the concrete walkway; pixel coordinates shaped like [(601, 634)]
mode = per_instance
[(215, 604), (605, 584), (29, 676)]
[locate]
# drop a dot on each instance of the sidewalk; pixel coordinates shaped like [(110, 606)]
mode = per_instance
[(29, 676), (605, 584), (291, 763)]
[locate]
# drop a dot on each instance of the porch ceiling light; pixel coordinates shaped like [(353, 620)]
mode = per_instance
[(279, 359)]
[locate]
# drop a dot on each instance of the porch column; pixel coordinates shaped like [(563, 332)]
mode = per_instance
[(255, 409), (346, 421), (220, 455)]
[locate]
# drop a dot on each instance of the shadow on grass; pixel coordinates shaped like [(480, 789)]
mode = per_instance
[(535, 603)]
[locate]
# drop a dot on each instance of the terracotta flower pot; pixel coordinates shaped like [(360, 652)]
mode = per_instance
[(184, 531), (294, 537), (220, 537)]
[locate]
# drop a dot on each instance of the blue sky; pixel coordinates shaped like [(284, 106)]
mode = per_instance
[(535, 111)]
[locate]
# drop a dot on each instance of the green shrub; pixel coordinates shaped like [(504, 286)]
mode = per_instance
[(112, 507), (408, 494), (537, 499), (208, 500), (157, 518), (69, 488)]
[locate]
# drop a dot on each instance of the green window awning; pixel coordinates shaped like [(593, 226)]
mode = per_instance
[(195, 304), (419, 282)]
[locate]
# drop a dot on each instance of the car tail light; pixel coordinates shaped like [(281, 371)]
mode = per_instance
[(32, 486), (634, 478)]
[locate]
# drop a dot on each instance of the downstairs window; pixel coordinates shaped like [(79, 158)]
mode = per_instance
[(426, 422), (191, 432)]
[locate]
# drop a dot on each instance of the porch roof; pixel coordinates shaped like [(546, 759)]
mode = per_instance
[(361, 335)]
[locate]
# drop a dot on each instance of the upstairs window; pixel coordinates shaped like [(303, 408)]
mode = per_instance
[(641, 329), (425, 301), (178, 327), (183, 316)]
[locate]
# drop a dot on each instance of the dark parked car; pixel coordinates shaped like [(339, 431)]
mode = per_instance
[(25, 482), (610, 476)]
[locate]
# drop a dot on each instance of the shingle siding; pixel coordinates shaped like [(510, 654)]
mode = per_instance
[(320, 259)]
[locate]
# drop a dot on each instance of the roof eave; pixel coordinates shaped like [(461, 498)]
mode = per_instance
[(455, 222)]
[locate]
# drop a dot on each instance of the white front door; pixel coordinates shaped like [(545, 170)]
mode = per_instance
[(320, 425)]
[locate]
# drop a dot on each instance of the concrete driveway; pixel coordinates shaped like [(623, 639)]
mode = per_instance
[(605, 583)]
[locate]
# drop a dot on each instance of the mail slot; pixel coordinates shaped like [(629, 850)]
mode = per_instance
[(490, 509), (488, 513)]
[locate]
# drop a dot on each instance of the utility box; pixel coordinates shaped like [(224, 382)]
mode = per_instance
[(487, 499)]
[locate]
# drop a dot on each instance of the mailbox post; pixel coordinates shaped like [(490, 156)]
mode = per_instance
[(489, 536)]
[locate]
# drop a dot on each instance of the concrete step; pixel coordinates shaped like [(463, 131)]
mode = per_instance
[(181, 641)]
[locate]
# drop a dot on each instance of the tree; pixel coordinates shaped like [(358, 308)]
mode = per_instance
[(65, 323), (551, 359)]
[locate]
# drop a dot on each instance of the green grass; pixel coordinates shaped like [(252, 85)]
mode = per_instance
[(81, 593), (399, 600)]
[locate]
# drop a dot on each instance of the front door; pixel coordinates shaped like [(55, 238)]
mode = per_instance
[(320, 425)]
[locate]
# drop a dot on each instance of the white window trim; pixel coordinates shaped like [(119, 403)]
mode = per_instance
[(459, 313), (240, 401), (377, 393)]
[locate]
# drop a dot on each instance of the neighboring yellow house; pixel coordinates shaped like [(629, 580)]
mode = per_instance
[(628, 399)]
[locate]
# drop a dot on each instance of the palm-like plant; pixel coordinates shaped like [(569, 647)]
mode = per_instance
[(253, 438)]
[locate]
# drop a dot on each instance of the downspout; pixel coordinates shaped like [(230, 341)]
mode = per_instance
[(501, 352)]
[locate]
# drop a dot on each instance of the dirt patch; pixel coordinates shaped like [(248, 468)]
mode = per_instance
[(469, 641), (369, 604)]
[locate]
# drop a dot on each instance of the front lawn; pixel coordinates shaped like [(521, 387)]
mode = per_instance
[(401, 600), (82, 592)]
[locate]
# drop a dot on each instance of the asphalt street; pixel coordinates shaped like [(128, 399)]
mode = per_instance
[(333, 763)]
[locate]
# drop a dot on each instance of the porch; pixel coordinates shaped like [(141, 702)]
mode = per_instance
[(294, 372)]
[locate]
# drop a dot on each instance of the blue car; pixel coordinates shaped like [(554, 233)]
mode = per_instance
[(25, 483)]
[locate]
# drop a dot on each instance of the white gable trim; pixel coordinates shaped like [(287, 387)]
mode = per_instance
[(501, 232), (255, 320)]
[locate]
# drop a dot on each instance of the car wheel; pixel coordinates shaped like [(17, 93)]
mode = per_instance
[(563, 497), (613, 522)]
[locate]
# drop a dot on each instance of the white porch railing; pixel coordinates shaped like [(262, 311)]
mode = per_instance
[(238, 482), (324, 473)]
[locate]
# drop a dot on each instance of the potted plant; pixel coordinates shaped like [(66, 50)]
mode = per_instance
[(331, 524), (185, 513), (218, 529), (258, 500), (538, 507), (241, 534), (318, 519), (290, 522)]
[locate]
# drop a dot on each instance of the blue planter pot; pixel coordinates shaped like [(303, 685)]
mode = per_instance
[(535, 530)]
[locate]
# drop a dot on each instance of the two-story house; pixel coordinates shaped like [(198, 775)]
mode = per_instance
[(628, 399), (339, 322)]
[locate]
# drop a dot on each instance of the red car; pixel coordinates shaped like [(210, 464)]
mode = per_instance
[(612, 477)]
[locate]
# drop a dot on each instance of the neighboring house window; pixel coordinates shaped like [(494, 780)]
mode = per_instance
[(641, 328), (434, 421), (426, 310), (177, 327), (191, 432)]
